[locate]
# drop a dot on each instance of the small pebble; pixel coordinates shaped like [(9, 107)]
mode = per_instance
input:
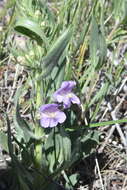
[(110, 140), (114, 143), (125, 88), (102, 136), (120, 146)]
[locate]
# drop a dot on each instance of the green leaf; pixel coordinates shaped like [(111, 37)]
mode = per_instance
[(58, 149), (23, 177), (102, 48), (9, 135), (23, 130), (52, 58), (48, 11), (74, 178), (93, 135), (58, 72), (31, 29), (117, 9), (98, 48), (65, 144), (71, 180), (3, 141), (23, 185), (94, 41), (125, 12), (89, 141)]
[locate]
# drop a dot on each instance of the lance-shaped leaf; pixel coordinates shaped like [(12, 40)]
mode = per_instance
[(3, 141), (52, 58), (31, 29), (23, 130), (97, 44), (58, 149)]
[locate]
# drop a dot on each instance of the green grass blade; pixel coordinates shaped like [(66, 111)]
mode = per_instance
[(108, 123)]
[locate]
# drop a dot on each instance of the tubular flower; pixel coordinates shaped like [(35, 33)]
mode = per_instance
[(51, 115), (65, 95)]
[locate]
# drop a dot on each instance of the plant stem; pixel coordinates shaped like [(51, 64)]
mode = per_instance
[(38, 147)]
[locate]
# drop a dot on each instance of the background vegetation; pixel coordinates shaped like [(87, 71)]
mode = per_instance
[(43, 43)]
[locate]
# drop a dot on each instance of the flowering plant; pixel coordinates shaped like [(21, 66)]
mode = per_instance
[(50, 113), (46, 126), (44, 147), (58, 138), (65, 95)]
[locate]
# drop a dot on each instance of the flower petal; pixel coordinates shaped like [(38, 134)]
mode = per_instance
[(51, 115), (49, 108), (45, 122), (60, 116), (58, 97), (53, 122), (68, 85), (66, 102), (75, 99)]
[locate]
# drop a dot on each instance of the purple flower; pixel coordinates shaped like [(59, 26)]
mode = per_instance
[(64, 94), (51, 115)]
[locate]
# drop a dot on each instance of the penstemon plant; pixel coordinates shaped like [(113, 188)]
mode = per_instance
[(54, 139), (56, 142), (57, 135)]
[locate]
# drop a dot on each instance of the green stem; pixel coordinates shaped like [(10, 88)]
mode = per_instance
[(38, 159), (38, 147), (54, 139), (108, 123), (38, 96)]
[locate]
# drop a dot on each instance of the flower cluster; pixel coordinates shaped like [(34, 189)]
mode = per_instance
[(51, 115)]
